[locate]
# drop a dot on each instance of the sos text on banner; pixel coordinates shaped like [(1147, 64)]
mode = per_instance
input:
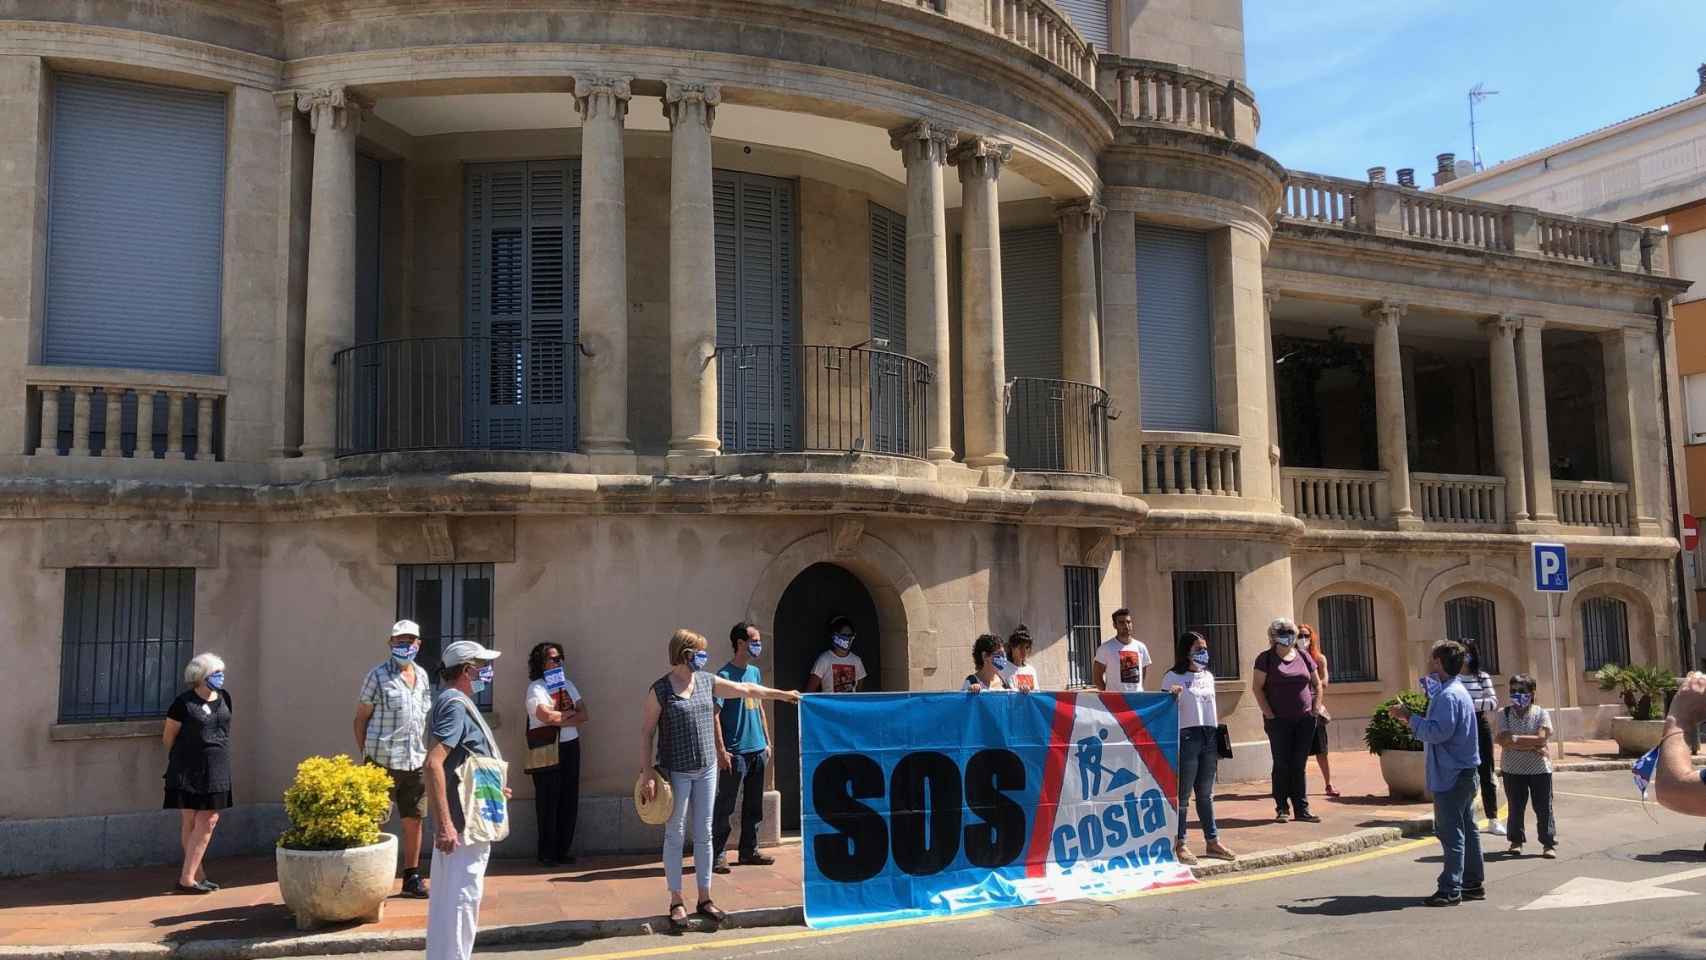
[(923, 804)]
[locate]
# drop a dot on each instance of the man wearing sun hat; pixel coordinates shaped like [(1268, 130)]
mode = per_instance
[(390, 732), (458, 867)]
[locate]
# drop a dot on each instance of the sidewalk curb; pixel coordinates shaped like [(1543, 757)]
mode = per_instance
[(1365, 839), (1600, 766)]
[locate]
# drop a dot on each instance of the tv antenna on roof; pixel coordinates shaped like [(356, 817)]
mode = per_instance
[(1477, 93)]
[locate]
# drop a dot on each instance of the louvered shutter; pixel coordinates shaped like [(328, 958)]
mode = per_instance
[(1030, 301), (888, 277), (1174, 330), (136, 224), (754, 225), (367, 405), (1091, 19)]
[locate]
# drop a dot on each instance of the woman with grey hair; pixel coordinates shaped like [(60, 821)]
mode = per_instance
[(198, 764), (1288, 691)]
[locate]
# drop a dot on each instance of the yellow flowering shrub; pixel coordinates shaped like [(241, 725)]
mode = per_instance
[(336, 804)]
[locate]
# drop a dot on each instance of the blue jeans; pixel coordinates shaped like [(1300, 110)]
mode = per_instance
[(1199, 759), (694, 791), (1454, 825)]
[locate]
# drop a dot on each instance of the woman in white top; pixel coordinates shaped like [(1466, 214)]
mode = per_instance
[(1485, 696), (1192, 684), (987, 676), (552, 701), (1018, 673)]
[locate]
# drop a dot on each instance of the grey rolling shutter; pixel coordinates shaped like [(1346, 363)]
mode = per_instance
[(523, 298), (754, 225), (1091, 19), (1174, 330), (1030, 301), (136, 225), (888, 277)]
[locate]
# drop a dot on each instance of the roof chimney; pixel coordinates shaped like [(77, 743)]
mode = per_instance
[(1702, 74), (1447, 170), (1376, 174), (1406, 176)]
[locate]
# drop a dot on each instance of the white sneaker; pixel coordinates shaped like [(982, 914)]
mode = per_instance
[(1496, 828)]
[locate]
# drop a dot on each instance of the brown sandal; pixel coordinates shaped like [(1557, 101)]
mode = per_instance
[(678, 923), (711, 911)]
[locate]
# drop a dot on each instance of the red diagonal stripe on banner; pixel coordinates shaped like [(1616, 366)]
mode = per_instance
[(1054, 774), (1153, 756)]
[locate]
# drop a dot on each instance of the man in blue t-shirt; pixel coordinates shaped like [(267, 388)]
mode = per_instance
[(743, 751)]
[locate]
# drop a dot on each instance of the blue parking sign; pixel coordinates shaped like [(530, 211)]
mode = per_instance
[(1551, 568)]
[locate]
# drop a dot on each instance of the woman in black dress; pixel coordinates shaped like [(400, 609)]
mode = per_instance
[(198, 764)]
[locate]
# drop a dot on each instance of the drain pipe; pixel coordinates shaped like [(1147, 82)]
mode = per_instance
[(1685, 629)]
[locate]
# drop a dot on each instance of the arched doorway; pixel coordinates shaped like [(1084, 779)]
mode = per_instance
[(801, 632)]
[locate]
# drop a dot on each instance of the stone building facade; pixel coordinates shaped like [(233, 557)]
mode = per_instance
[(579, 321)]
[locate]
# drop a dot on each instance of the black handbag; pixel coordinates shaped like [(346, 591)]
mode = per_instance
[(1223, 742)]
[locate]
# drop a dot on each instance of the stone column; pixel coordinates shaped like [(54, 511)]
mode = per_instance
[(1274, 453), (1080, 333), (603, 105), (983, 354), (1539, 449), (1507, 414), (692, 110), (329, 323), (924, 149), (1389, 408)]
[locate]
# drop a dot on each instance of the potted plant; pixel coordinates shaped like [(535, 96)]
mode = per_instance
[(1401, 760), (333, 863), (1643, 690)]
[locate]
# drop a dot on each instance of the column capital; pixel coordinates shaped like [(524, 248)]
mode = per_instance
[(1503, 325), (980, 158), (594, 95), (1385, 311), (683, 102), (1536, 324), (923, 140), (331, 108), (1079, 216), (1269, 298)]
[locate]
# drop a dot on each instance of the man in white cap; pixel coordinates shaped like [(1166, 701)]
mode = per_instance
[(458, 867), (390, 731)]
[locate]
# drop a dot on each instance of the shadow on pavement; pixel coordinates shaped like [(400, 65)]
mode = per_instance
[(1349, 906), (630, 873), (1672, 856)]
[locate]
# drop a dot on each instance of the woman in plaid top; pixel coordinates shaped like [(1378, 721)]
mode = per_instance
[(1525, 733)]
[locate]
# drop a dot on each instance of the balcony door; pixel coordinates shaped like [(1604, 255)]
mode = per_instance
[(756, 307), (523, 305), (890, 409)]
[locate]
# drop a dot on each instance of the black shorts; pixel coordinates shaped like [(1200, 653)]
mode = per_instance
[(1319, 747)]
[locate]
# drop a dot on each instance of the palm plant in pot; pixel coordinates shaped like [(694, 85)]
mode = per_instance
[(1401, 759), (1642, 690), (333, 863)]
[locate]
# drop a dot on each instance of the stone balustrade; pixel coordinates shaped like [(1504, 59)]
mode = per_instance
[(1147, 91), (1571, 238), (114, 414), (1043, 29), (1591, 503), (1342, 496), (1452, 220), (1191, 464), (1458, 498), (1329, 200)]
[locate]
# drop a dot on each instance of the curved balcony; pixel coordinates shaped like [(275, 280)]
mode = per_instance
[(1170, 95), (1057, 426), (791, 398), (456, 393)]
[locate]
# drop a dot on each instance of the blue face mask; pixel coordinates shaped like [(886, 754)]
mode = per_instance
[(699, 659), (1199, 657), (842, 641), (404, 652), (1431, 686), (483, 678), (1521, 700), (216, 680), (1000, 662), (755, 649), (1285, 639)]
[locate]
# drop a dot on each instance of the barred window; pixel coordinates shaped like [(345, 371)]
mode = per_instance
[(1346, 636), (1083, 622), (128, 633), (451, 602), (1207, 603), (1473, 618), (1605, 632)]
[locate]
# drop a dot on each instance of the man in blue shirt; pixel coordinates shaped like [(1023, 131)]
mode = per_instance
[(743, 751), (1450, 740)]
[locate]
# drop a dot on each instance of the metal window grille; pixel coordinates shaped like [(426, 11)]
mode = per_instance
[(1083, 622), (1605, 632), (1473, 618), (1207, 603), (1346, 635), (451, 602), (128, 633)]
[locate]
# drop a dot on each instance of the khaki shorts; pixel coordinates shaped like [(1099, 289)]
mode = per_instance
[(408, 791)]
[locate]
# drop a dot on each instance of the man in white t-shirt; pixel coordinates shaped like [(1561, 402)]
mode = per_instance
[(1122, 661), (838, 669)]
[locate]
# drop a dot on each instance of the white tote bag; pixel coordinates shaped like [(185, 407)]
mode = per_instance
[(485, 810)]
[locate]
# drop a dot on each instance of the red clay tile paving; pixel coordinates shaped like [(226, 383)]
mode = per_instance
[(138, 906)]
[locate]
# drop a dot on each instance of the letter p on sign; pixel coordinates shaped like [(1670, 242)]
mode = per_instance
[(1551, 568)]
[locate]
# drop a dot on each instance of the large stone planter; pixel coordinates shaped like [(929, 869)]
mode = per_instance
[(331, 886), (1636, 737), (1406, 773)]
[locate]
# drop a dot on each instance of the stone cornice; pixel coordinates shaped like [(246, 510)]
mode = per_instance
[(1196, 208), (1636, 548), (196, 62)]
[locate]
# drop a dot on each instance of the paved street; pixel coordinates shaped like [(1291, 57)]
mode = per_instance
[(1367, 905)]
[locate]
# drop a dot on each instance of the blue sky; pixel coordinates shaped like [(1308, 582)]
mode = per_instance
[(1344, 85)]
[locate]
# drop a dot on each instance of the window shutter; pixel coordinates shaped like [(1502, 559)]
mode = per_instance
[(754, 224), (136, 226), (1091, 19), (888, 277), (1174, 330), (1694, 393), (1030, 301)]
